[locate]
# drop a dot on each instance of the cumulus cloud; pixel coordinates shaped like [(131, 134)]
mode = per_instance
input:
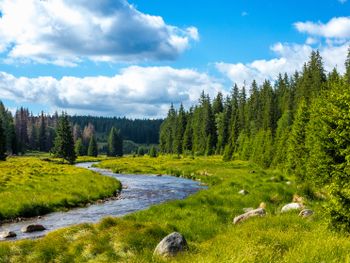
[(337, 27), (289, 58), (332, 39), (134, 92), (65, 32)]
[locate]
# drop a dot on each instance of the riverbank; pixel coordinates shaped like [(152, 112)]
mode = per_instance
[(32, 187), (205, 219)]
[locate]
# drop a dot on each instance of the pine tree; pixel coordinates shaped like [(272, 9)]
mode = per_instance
[(2, 142), (297, 153), (347, 68), (153, 152), (79, 147), (42, 134), (180, 128), (93, 149), (115, 143), (64, 144)]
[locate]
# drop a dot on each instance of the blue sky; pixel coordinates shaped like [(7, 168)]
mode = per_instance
[(133, 58)]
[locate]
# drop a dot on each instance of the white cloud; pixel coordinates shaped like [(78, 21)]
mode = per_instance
[(337, 27), (289, 58), (64, 32), (134, 92)]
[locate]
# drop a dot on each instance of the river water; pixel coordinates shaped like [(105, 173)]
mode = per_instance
[(139, 192)]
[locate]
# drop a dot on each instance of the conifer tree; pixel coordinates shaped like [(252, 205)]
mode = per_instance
[(153, 152), (79, 147), (347, 68), (64, 144), (297, 152), (115, 143), (180, 128), (42, 134), (2, 142), (93, 149)]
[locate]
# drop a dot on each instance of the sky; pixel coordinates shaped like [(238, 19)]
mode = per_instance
[(134, 58)]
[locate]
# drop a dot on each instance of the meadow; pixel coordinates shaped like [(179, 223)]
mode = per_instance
[(205, 219), (30, 187)]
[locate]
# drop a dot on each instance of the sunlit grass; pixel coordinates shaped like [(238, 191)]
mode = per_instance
[(205, 219), (30, 186)]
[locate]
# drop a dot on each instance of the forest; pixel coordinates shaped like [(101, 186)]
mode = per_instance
[(25, 132), (300, 125)]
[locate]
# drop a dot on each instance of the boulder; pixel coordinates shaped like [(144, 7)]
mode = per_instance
[(306, 213), (33, 228), (249, 214), (247, 209), (7, 234), (243, 192), (292, 207), (171, 245)]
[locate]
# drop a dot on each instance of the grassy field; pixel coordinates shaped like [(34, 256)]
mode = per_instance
[(30, 186), (205, 219)]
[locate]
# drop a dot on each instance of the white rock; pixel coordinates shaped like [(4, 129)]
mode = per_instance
[(243, 192), (7, 234), (291, 207), (252, 213)]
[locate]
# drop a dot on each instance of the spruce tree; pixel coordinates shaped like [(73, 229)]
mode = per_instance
[(79, 147), (115, 143), (2, 142), (93, 149), (297, 153), (42, 134), (180, 128), (347, 68), (64, 144), (153, 152)]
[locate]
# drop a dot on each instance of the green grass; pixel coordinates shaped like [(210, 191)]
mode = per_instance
[(30, 186), (205, 219)]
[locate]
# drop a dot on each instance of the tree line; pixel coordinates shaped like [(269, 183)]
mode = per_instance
[(299, 124), (24, 132)]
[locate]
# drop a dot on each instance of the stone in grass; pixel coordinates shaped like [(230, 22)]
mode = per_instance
[(7, 234), (33, 228), (292, 207), (247, 209), (243, 192), (252, 213), (171, 245), (306, 213)]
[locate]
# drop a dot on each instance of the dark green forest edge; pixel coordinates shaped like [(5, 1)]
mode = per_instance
[(300, 125)]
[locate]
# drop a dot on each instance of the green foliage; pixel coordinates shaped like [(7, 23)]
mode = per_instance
[(153, 152), (329, 145), (64, 144), (31, 187), (93, 150), (141, 151), (115, 143), (79, 148), (205, 219), (297, 152), (2, 142)]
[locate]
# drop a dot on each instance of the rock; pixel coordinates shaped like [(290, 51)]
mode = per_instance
[(291, 207), (243, 192), (306, 213), (33, 228), (158, 175), (262, 205), (298, 199), (7, 234), (247, 209), (171, 245), (249, 214)]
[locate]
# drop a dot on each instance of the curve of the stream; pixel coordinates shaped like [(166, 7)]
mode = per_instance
[(139, 192)]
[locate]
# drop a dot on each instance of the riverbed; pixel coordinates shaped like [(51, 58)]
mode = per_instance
[(139, 192)]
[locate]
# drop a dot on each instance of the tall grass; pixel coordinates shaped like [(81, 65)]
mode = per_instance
[(205, 219), (30, 187)]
